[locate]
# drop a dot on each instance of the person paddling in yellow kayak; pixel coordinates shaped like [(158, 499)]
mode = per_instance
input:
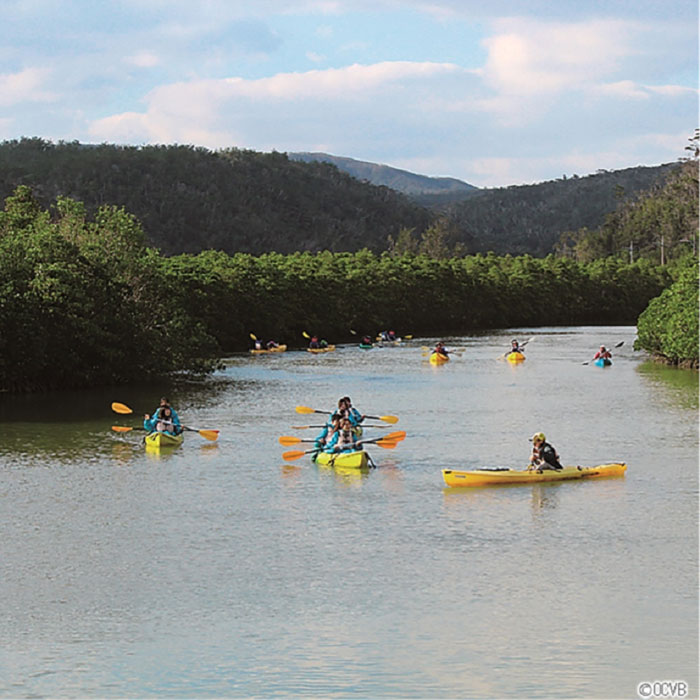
[(343, 440), (328, 431), (170, 421), (516, 347), (440, 349), (543, 456)]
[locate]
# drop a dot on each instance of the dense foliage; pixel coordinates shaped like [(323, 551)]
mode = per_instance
[(191, 199), (85, 302), (660, 223), (668, 327), (531, 218), (279, 297)]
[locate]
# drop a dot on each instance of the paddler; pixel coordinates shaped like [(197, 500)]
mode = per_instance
[(328, 431), (543, 456), (603, 353), (440, 349), (515, 347), (164, 403), (343, 440)]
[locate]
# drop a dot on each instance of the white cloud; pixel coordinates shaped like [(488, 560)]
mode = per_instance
[(628, 89), (24, 86), (143, 59), (315, 57)]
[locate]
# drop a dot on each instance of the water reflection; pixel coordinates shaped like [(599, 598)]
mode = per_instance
[(679, 387)]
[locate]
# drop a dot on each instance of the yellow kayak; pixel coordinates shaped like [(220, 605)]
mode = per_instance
[(156, 439), (491, 477), (437, 358), (357, 460), (329, 348), (515, 357), (279, 348)]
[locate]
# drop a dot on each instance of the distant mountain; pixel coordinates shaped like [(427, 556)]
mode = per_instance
[(404, 181)]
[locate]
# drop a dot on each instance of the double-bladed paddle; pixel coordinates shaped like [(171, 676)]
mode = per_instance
[(288, 440), (291, 455), (125, 410), (307, 410)]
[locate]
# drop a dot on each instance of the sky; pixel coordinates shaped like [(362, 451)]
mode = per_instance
[(493, 92)]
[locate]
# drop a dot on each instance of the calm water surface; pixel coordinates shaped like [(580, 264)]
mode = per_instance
[(219, 570)]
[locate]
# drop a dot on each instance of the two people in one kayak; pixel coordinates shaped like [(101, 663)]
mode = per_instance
[(163, 420), (543, 455), (316, 344), (388, 336)]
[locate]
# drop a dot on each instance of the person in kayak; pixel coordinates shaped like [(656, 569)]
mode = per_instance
[(343, 440), (163, 420), (272, 344), (258, 344), (347, 410), (313, 343), (153, 417), (440, 349), (392, 336), (328, 431), (323, 343), (543, 456), (515, 347), (603, 353), (366, 340)]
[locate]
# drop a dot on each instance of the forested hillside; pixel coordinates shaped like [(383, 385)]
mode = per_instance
[(531, 218), (190, 199)]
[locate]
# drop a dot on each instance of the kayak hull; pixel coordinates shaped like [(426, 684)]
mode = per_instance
[(330, 348), (365, 347), (159, 440), (355, 460), (280, 348), (437, 358), (602, 362), (487, 477), (515, 357)]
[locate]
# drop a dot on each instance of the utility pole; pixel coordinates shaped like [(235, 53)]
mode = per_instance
[(631, 252), (663, 258)]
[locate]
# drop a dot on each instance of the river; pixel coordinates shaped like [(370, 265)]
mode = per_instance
[(220, 570)]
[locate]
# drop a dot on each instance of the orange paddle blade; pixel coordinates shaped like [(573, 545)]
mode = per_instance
[(387, 444), (121, 428), (397, 436), (209, 434), (121, 408), (292, 455), (289, 440)]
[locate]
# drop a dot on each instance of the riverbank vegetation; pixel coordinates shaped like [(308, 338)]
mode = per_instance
[(84, 301)]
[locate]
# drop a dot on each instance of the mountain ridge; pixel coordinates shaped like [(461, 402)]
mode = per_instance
[(404, 181)]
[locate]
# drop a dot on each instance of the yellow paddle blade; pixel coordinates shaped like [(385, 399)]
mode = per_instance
[(288, 440), (408, 337), (121, 428), (252, 336), (304, 409), (292, 455), (304, 427), (305, 334), (209, 434), (121, 408), (389, 419)]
